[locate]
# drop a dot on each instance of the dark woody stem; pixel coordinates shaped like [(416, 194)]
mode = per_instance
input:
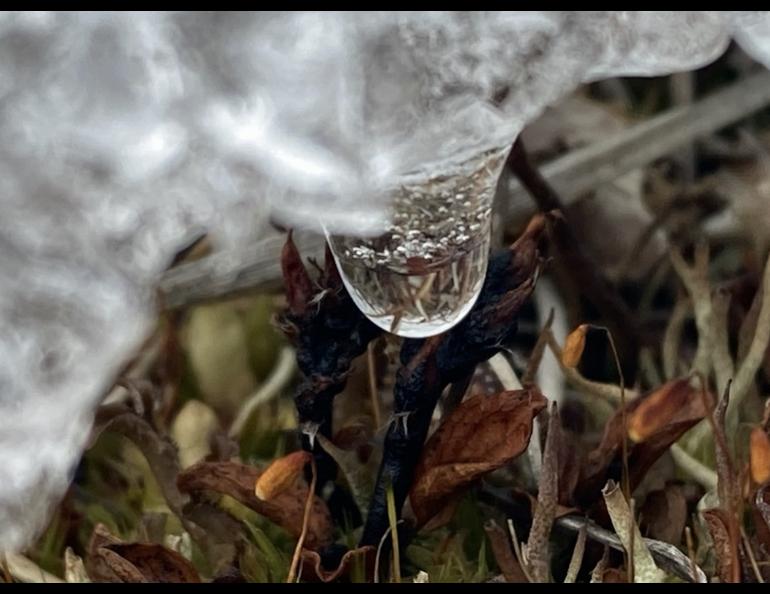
[(428, 366), (329, 332)]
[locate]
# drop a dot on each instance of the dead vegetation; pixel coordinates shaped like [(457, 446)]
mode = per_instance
[(446, 459)]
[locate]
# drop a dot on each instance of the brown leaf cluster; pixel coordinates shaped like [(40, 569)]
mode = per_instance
[(658, 419), (113, 561), (481, 435)]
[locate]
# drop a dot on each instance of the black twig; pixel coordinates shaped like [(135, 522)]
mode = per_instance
[(581, 267), (430, 365), (328, 331)]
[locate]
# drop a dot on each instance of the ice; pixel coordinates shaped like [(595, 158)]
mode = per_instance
[(125, 134)]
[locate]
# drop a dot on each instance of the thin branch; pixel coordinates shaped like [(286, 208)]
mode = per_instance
[(695, 280), (305, 521), (693, 468), (673, 336), (394, 535), (373, 391), (576, 561), (254, 268), (545, 507), (751, 556), (576, 259), (609, 392), (504, 372), (722, 360), (599, 163), (517, 550), (667, 556), (547, 298), (623, 412), (279, 377), (537, 352), (690, 549), (747, 370)]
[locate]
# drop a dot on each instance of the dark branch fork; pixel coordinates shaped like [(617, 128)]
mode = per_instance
[(329, 332), (430, 365)]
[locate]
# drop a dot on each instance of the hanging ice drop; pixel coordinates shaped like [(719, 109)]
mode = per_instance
[(423, 275)]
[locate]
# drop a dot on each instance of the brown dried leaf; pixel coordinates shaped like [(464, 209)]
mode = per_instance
[(481, 435), (658, 409), (299, 286), (311, 565), (157, 563), (159, 451), (280, 475), (760, 456), (574, 345), (285, 509), (725, 547), (641, 456), (503, 553), (115, 562), (108, 566)]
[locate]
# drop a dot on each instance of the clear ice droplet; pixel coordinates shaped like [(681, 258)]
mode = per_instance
[(424, 274)]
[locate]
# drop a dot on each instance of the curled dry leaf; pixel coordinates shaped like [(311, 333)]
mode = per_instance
[(760, 456), (574, 345), (642, 455), (481, 435), (503, 553), (658, 408), (115, 562), (280, 475), (285, 509), (299, 285), (159, 451), (312, 567), (645, 569)]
